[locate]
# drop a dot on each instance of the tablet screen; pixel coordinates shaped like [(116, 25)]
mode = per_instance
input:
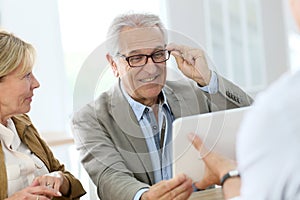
[(217, 130)]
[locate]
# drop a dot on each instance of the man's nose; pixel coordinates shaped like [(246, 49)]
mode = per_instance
[(150, 67)]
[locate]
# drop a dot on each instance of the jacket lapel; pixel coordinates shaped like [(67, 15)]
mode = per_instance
[(3, 175), (180, 105), (131, 130), (26, 132)]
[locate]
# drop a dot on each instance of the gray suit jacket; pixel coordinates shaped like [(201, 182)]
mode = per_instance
[(112, 146)]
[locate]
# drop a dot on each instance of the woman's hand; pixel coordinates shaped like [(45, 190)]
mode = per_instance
[(35, 193), (54, 180)]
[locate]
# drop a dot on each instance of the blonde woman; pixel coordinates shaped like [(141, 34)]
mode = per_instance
[(28, 169)]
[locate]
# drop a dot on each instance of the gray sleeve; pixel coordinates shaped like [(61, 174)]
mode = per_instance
[(101, 159), (228, 96)]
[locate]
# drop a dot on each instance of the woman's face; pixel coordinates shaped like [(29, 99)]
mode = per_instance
[(16, 93)]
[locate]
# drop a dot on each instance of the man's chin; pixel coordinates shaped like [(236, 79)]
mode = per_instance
[(151, 92), (150, 85)]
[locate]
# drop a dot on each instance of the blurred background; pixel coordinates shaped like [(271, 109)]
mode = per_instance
[(251, 42)]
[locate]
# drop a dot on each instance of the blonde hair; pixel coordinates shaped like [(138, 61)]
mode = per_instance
[(15, 52)]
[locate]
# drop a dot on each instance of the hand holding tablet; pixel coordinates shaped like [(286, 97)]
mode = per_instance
[(217, 130)]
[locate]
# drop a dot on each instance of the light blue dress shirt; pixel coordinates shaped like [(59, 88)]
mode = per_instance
[(161, 159)]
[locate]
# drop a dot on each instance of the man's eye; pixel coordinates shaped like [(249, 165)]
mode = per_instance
[(136, 59), (159, 54)]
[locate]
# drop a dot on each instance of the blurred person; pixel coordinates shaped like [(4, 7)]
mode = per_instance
[(267, 145), (124, 136), (28, 168)]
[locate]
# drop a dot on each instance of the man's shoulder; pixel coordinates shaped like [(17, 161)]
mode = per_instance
[(95, 106)]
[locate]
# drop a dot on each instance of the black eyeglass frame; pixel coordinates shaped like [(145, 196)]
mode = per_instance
[(127, 58)]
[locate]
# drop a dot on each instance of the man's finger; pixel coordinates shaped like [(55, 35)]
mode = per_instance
[(183, 191)]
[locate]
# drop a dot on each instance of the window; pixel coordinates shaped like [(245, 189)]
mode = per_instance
[(235, 40), (294, 46), (240, 36), (293, 32)]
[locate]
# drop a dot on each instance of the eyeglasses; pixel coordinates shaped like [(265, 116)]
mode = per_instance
[(142, 59)]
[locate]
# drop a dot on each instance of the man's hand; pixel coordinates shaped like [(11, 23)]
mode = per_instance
[(179, 188), (191, 62)]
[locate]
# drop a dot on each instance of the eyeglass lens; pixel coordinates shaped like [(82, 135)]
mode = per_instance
[(140, 60)]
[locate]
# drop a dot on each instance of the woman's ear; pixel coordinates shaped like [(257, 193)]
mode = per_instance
[(113, 65)]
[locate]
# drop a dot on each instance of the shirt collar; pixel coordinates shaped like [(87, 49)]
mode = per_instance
[(9, 135)]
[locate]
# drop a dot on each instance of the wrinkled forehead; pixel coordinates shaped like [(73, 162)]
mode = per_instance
[(136, 39)]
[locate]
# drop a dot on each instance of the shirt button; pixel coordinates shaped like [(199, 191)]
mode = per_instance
[(154, 127)]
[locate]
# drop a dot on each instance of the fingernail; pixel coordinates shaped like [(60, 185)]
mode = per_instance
[(191, 136), (182, 176), (58, 193)]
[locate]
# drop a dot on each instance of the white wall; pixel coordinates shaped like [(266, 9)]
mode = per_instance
[(186, 17), (37, 22), (275, 38)]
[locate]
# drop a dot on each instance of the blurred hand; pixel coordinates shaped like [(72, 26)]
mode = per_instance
[(191, 62), (216, 166), (179, 188)]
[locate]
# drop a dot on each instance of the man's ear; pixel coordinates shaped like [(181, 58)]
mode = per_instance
[(113, 65)]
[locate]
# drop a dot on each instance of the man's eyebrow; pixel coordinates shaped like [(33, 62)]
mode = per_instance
[(139, 50)]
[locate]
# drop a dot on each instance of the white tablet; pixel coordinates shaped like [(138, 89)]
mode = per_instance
[(218, 131)]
